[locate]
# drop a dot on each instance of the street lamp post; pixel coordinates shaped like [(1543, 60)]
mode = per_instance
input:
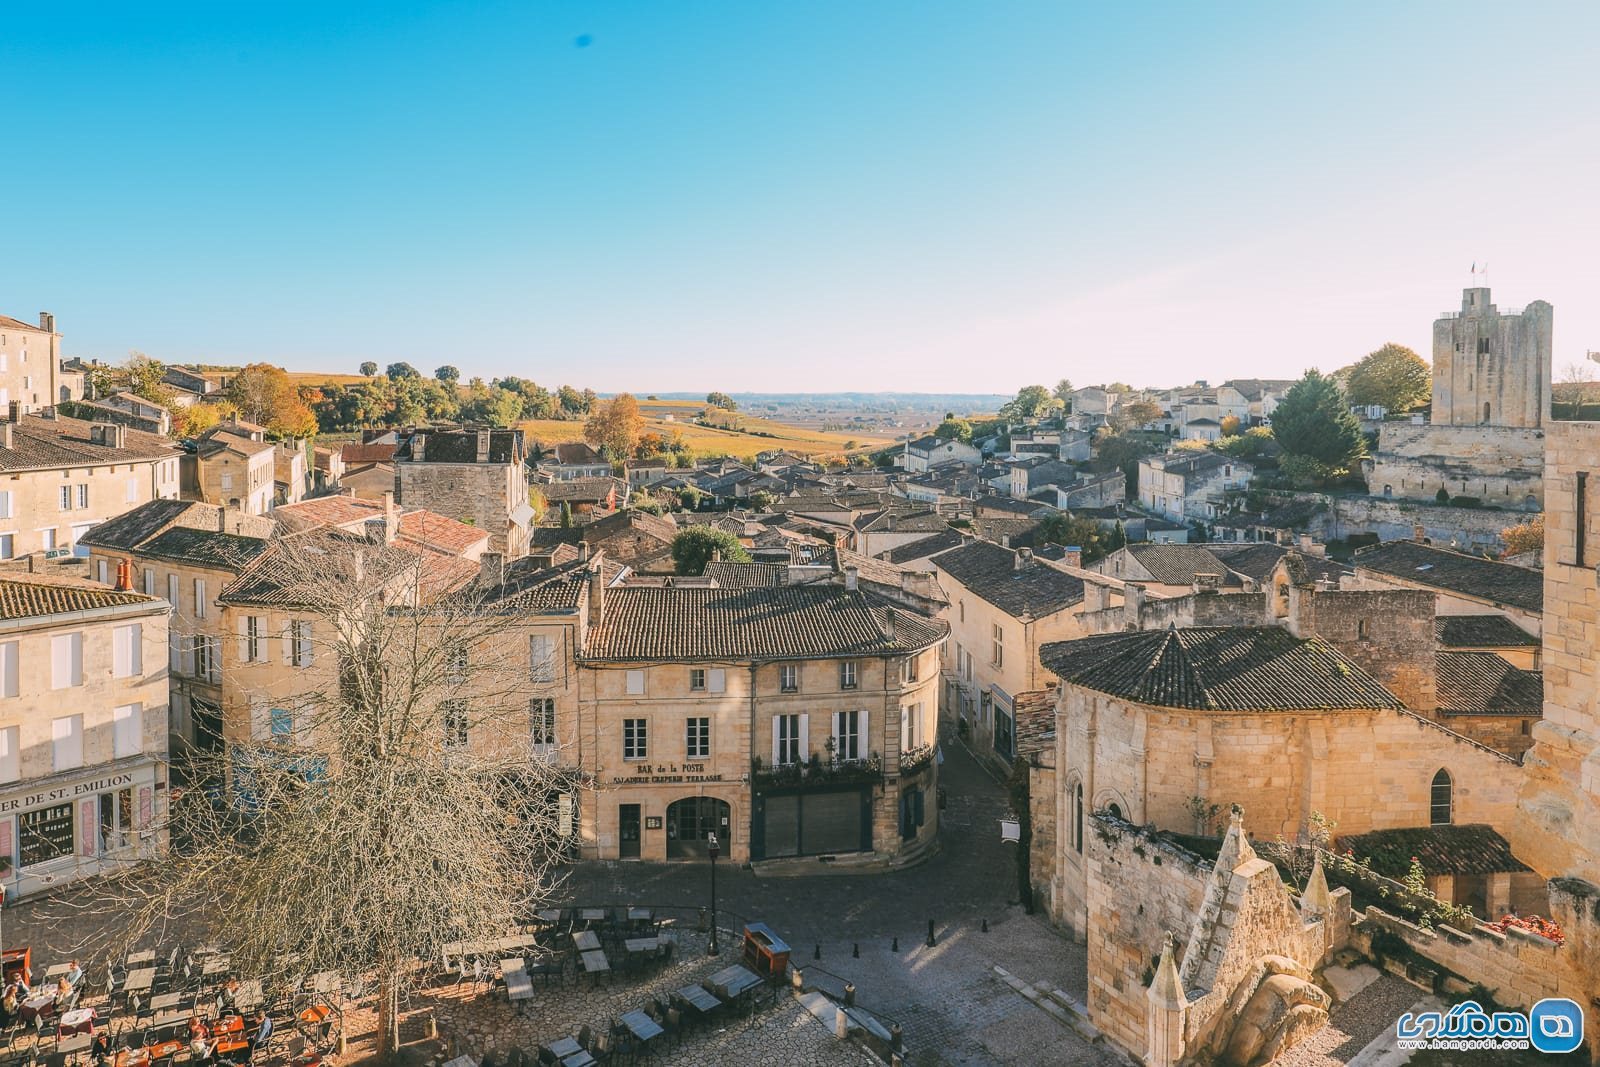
[(712, 847)]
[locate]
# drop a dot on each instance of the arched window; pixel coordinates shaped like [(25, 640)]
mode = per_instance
[(1077, 817), (1441, 799), (1361, 629), (1485, 411), (1115, 810)]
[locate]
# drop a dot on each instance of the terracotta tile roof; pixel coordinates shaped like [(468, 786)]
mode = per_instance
[(354, 454), (747, 575), (791, 622), (425, 528), (9, 323), (1035, 714), (1481, 631), (1217, 668), (1034, 588), (1469, 849), (1481, 683), (38, 597), (326, 511), (1456, 572), (39, 443), (278, 576)]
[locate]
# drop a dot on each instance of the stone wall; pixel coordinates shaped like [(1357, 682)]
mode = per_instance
[(1469, 529), (1492, 368), (479, 494), (1502, 466), (1389, 633), (1138, 612)]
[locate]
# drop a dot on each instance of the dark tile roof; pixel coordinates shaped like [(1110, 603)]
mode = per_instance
[(38, 597), (461, 446), (183, 544), (924, 547), (1456, 572), (1035, 715), (791, 622), (1256, 561), (583, 489), (1217, 668), (223, 439), (747, 575), (528, 587), (1178, 564), (133, 528), (895, 520), (1018, 532), (1481, 683), (579, 454), (62, 442), (991, 572), (1469, 849), (1481, 631)]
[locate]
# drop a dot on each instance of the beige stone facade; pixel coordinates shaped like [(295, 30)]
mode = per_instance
[(233, 467), (30, 362), (83, 730), (474, 476)]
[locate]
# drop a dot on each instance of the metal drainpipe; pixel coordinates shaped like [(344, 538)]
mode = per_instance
[(750, 794)]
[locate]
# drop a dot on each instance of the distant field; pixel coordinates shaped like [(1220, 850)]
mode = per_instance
[(706, 440), (312, 377)]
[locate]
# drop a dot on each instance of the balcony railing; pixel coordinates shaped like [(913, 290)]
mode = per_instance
[(916, 759), (818, 771)]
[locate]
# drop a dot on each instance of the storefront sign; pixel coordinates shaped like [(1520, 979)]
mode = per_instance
[(666, 774), (64, 793)]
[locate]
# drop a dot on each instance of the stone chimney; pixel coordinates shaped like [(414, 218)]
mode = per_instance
[(583, 552), (47, 322), (852, 578), (34, 562), (483, 446), (597, 592), (1023, 557), (1132, 605), (1207, 583), (1419, 534), (419, 447), (14, 411), (119, 435), (492, 567), (7, 440), (125, 575), (391, 514), (1073, 556)]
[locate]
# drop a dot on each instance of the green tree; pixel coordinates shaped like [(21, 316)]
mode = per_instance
[(693, 548), (1394, 376), (570, 402), (761, 500), (447, 374), (566, 515), (1137, 413), (1253, 442), (1030, 402), (1063, 391), (954, 429), (144, 378), (1314, 423), (1067, 529), (721, 400), (368, 369), (1120, 451), (396, 371)]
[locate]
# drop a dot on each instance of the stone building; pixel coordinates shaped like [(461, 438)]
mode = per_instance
[(30, 363), (64, 476), (926, 453), (83, 729), (232, 466), (1462, 584), (1491, 400), (476, 476), (1192, 485), (185, 552), (1003, 605)]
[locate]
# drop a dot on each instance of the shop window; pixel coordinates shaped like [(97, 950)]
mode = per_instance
[(44, 835)]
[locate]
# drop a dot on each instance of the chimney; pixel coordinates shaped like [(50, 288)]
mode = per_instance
[(222, 520), (1096, 597), (1023, 557), (597, 593), (125, 576), (1419, 534), (1073, 556), (391, 514), (583, 552), (483, 446), (6, 438), (1305, 543), (119, 435), (15, 411), (419, 447), (47, 322), (492, 567), (852, 578), (1207, 583), (33, 562)]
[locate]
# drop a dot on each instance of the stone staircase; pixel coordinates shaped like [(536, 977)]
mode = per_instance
[(1061, 1007)]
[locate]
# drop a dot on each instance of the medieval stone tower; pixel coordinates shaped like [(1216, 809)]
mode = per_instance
[(1492, 368)]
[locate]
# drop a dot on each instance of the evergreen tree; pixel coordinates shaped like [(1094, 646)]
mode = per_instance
[(1314, 427)]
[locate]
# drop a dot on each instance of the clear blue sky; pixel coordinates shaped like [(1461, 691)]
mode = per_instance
[(661, 196)]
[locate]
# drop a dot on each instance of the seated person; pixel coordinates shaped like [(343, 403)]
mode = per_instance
[(74, 973), (200, 1044), (63, 994), (228, 997), (100, 1049), (263, 1027)]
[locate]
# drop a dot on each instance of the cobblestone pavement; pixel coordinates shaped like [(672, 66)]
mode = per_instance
[(951, 1005), (1355, 1024)]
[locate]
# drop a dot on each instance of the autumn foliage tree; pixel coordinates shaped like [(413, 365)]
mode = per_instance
[(1393, 377), (615, 425), (263, 394), (1524, 536)]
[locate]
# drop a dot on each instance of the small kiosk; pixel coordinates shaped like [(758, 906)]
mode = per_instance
[(765, 952)]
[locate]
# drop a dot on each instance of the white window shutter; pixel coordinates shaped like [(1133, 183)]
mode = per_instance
[(288, 642), (8, 669), (717, 680), (838, 731), (777, 721), (805, 736), (244, 639), (864, 745)]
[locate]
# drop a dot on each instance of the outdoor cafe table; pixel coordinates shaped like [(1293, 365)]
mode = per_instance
[(642, 1026), (700, 999), (640, 915), (641, 944), (169, 1018), (133, 1057), (76, 1021), (143, 956), (166, 1001), (593, 915), (235, 1050), (518, 985), (36, 1005), (569, 1052), (141, 980), (586, 940), (595, 963), (548, 915), (731, 982), (515, 941), (216, 965), (56, 970), (74, 1045)]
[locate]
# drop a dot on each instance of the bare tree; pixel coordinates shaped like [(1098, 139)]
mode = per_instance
[(402, 807)]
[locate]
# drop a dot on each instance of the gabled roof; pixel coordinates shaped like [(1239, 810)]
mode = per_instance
[(284, 575), (37, 596), (1178, 564), (1217, 668), (40, 443), (425, 528), (133, 528), (1468, 849), (924, 547), (222, 439), (785, 623), (1015, 585), (527, 587), (371, 452), (895, 520), (1481, 631), (578, 454), (1481, 683), (1456, 572), (207, 548), (583, 489), (747, 575), (9, 323)]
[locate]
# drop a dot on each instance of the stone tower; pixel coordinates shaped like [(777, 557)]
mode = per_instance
[(1492, 368)]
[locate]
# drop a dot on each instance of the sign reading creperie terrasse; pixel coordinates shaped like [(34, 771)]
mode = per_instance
[(666, 773), (66, 792)]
